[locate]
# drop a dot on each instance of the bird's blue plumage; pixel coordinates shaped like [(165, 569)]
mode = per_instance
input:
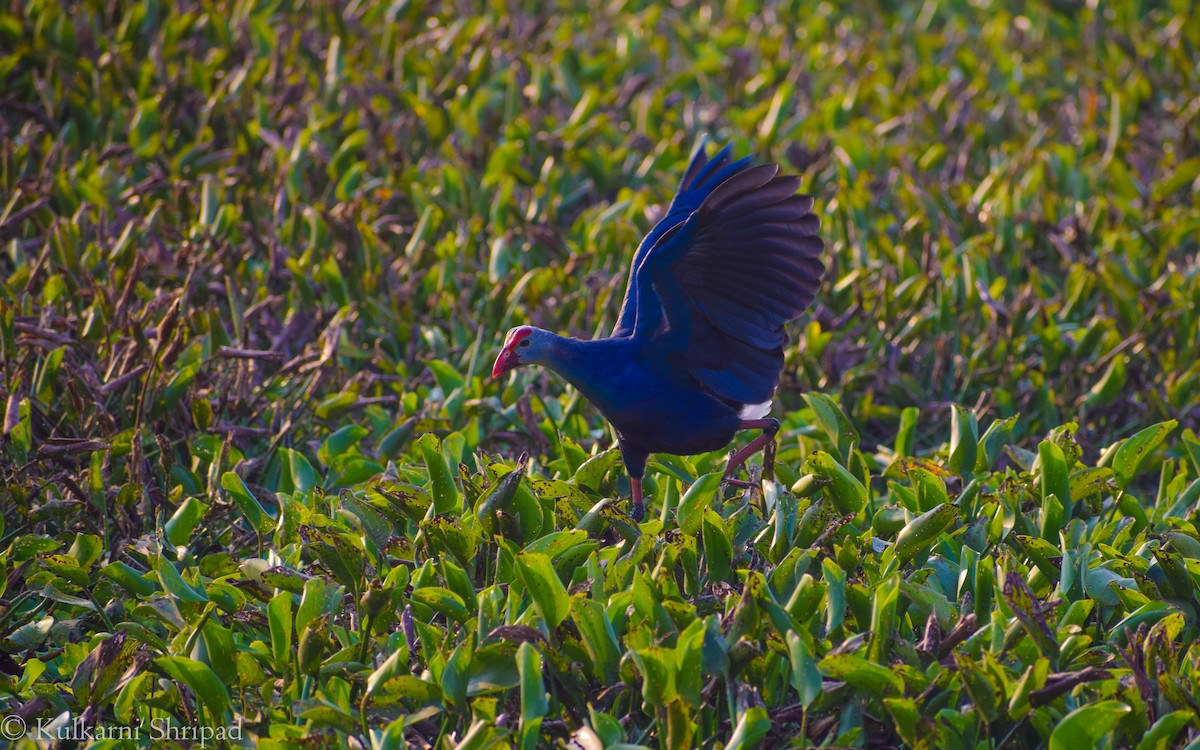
[(700, 335), (702, 177)]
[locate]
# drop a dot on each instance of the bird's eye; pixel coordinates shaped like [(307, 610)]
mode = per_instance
[(524, 343)]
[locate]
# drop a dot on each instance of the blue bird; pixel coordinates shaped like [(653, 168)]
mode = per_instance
[(698, 349)]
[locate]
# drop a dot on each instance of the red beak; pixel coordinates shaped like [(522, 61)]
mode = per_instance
[(507, 360)]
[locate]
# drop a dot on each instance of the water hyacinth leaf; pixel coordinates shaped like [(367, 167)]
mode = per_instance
[(533, 695), (183, 521), (847, 492), (441, 481), (303, 476), (1087, 725), (690, 514), (456, 674), (129, 578), (598, 637), (875, 680), (549, 595), (246, 502), (592, 471), (1163, 732), (993, 441), (1055, 478), (67, 567), (658, 668), (964, 441), (279, 620), (202, 681), (443, 601), (718, 549), (919, 534), (282, 577), (806, 680), (689, 663), (751, 728), (834, 423), (1134, 451), (174, 584), (908, 428)]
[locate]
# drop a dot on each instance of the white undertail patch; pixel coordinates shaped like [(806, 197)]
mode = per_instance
[(755, 411)]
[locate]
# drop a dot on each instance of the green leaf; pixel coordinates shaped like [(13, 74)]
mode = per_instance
[(718, 549), (847, 492), (456, 674), (834, 423), (592, 472), (247, 503), (1087, 726), (873, 679), (130, 579), (174, 585), (1055, 480), (598, 636), (1130, 455), (805, 678), (304, 478), (964, 441), (279, 620), (445, 495), (533, 695), (443, 601), (751, 728), (689, 663), (919, 534), (658, 666), (549, 595), (690, 513), (179, 526), (202, 681), (1163, 732)]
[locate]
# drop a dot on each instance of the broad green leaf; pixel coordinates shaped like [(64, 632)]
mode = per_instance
[(202, 681), (442, 489), (598, 637), (875, 680), (246, 502), (834, 423), (1087, 726), (549, 594), (695, 501), (806, 680), (1130, 455)]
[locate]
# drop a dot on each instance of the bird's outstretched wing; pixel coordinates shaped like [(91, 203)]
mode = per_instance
[(714, 290), (703, 175)]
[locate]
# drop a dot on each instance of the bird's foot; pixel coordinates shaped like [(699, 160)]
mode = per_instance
[(638, 509)]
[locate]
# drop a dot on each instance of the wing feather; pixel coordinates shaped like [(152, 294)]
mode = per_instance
[(702, 177), (715, 291)]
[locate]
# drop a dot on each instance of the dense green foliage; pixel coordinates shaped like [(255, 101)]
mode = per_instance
[(257, 257)]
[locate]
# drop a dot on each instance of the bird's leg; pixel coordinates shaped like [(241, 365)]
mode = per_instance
[(764, 442), (639, 510)]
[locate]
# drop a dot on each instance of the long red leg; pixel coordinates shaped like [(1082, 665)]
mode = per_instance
[(764, 442), (639, 510)]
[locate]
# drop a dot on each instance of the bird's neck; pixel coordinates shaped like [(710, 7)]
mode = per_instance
[(587, 365)]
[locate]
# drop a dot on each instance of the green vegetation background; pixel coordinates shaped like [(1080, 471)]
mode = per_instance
[(257, 258)]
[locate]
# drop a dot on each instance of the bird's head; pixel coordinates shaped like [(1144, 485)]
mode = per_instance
[(524, 345)]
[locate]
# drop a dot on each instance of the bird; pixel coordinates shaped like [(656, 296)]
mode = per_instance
[(698, 347)]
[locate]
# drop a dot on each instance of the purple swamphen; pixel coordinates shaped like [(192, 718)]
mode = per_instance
[(698, 349)]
